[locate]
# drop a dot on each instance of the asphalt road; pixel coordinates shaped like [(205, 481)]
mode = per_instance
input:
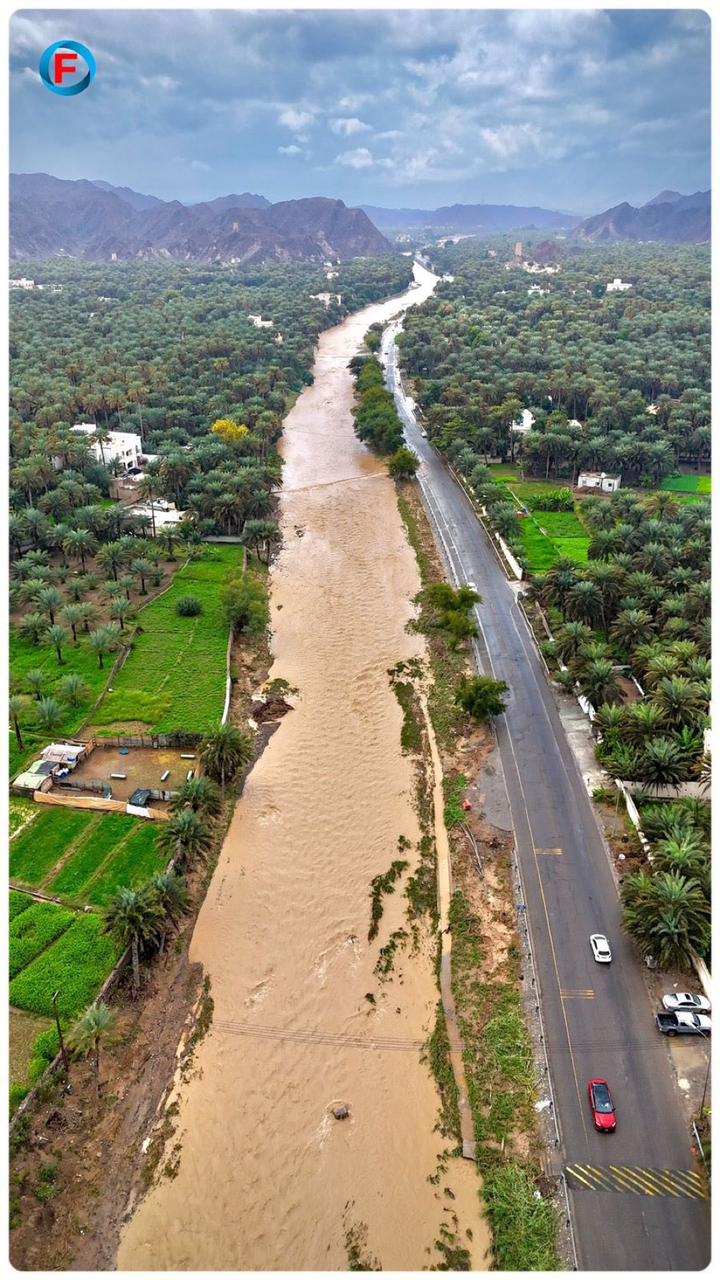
[(598, 1019)]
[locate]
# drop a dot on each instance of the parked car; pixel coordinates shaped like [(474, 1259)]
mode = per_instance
[(600, 948), (683, 1024), (602, 1106), (680, 1001)]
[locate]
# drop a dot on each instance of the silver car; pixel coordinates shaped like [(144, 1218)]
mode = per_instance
[(600, 948), (685, 1002)]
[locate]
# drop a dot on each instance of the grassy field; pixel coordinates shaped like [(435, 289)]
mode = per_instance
[(174, 678), (34, 930), (550, 534), (24, 657), (84, 857), (37, 850), (76, 965), (688, 484)]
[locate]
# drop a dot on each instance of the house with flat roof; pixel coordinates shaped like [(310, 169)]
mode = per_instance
[(598, 480), (122, 447)]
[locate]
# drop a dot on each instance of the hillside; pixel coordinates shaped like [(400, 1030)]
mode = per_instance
[(674, 218), (50, 217), (472, 217)]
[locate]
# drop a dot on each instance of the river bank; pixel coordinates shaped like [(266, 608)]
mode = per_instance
[(267, 1178)]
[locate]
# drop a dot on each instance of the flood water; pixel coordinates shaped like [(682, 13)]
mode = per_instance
[(268, 1178)]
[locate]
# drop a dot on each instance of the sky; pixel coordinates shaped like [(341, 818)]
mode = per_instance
[(569, 109)]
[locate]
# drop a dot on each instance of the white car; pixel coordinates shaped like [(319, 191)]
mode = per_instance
[(600, 948), (683, 1001)]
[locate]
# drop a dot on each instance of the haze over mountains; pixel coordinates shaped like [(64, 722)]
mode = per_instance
[(100, 222), (52, 217), (668, 216)]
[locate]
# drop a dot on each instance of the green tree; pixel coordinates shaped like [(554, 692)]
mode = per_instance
[(403, 464), (186, 837), (481, 697), (225, 752), (96, 1027), (135, 918)]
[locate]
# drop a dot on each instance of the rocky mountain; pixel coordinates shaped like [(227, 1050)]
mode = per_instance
[(674, 218), (52, 217), (472, 217), (135, 199), (245, 201)]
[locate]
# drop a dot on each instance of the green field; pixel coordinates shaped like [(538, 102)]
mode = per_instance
[(136, 861), (34, 930), (37, 850), (84, 863), (76, 965), (551, 534), (688, 484), (24, 657), (84, 857), (19, 902), (174, 678)]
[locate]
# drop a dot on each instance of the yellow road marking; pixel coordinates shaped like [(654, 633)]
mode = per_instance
[(578, 995), (573, 1170), (679, 1183), (548, 853)]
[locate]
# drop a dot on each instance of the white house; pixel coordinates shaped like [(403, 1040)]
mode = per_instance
[(598, 480), (123, 447), (536, 289), (617, 286), (260, 323), (24, 283), (524, 422)]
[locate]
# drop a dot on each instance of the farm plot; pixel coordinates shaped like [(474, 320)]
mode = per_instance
[(36, 851), (79, 869), (34, 930), (688, 484), (174, 678), (136, 861), (76, 965), (19, 902)]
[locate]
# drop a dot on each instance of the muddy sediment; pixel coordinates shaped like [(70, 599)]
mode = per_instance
[(268, 1178)]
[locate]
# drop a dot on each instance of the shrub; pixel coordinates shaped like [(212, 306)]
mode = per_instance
[(188, 607), (17, 1093), (481, 697), (245, 604)]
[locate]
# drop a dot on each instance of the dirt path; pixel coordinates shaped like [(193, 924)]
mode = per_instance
[(267, 1178)]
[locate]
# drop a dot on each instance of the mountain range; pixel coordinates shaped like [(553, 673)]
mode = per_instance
[(97, 221), (467, 218), (669, 216), (52, 217)]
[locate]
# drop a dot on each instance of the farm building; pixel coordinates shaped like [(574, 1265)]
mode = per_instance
[(598, 480)]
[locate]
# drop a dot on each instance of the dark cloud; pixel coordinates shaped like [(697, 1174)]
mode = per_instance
[(576, 109)]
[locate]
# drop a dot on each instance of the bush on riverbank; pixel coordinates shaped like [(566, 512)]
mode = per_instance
[(376, 420)]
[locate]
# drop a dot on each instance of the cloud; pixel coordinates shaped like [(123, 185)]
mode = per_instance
[(346, 126), (292, 150), (360, 158), (296, 120)]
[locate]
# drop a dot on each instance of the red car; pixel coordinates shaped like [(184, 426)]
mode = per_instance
[(602, 1106)]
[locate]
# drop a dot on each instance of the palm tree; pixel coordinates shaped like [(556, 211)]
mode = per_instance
[(644, 720), (584, 603), (598, 682), (570, 638), (80, 542), (225, 751), (73, 615), (50, 601), (186, 837), (668, 915), (120, 609), (662, 764), (102, 642), (174, 898), (199, 794), (609, 721), (148, 489), (49, 713), (143, 568), (57, 636), (135, 917), (680, 699), (35, 680), (112, 557), (96, 1026), (74, 688), (90, 613), (631, 628), (687, 854), (18, 706), (33, 625), (664, 666)]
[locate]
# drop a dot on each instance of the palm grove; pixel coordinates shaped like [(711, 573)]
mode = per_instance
[(616, 381)]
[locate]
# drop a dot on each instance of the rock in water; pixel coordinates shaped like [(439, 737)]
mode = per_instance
[(341, 1113)]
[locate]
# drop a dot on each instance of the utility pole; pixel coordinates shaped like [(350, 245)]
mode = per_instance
[(63, 1050)]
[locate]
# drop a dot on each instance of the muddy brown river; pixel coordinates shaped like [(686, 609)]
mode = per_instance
[(268, 1178)]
